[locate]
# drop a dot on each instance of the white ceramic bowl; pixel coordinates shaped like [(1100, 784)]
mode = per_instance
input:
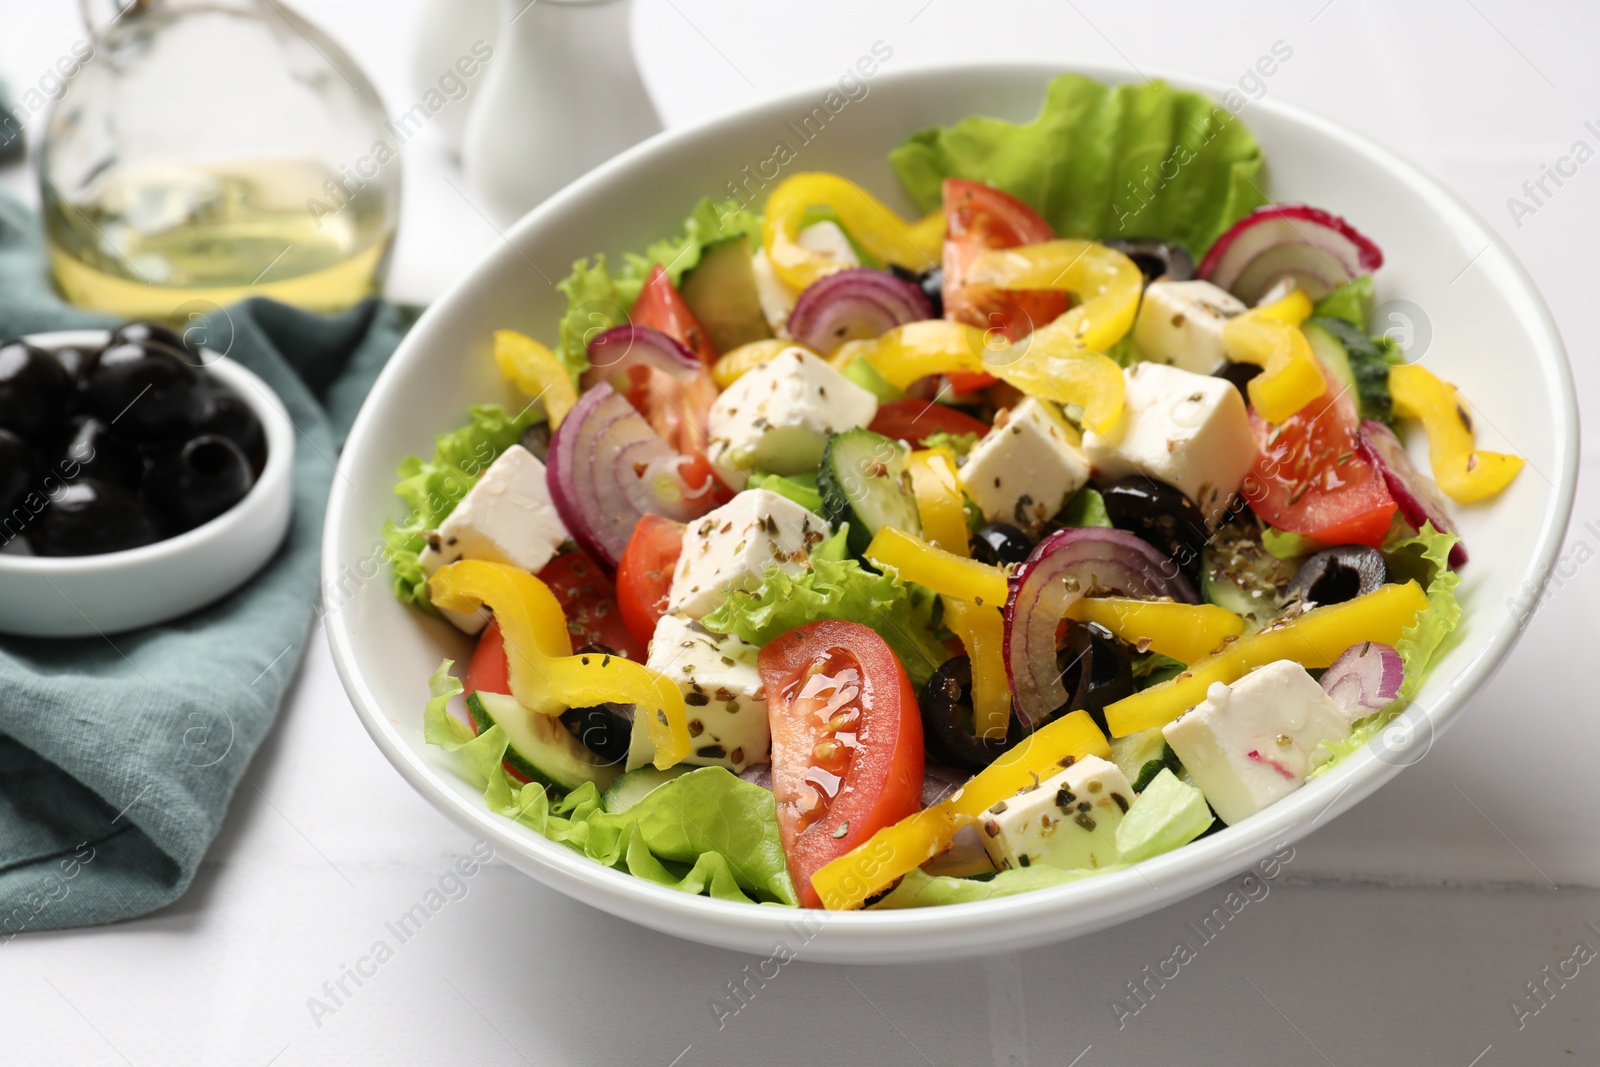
[(1490, 332), (81, 596)]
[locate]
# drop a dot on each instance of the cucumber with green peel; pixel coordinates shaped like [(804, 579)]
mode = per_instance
[(721, 291), (1238, 573), (635, 785), (1359, 365), (864, 482), (540, 747)]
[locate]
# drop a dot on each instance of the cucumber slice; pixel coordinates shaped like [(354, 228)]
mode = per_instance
[(541, 749), (1358, 363), (1237, 573), (634, 786), (863, 481), (721, 291), (1332, 353)]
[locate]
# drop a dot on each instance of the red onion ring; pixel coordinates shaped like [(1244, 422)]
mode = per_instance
[(854, 304), (1365, 679), (1320, 250), (1419, 499), (1063, 567)]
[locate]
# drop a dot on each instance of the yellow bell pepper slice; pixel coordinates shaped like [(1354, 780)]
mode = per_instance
[(1464, 473), (536, 371), (911, 244), (895, 851), (944, 572), (1186, 632), (738, 362), (546, 678), (982, 630), (939, 501), (1314, 639), (1270, 337)]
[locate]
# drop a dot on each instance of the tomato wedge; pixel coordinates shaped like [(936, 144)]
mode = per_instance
[(915, 420), (846, 742), (979, 217), (1313, 475), (488, 669), (644, 574), (589, 600), (661, 307)]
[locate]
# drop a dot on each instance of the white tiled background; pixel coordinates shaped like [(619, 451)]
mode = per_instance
[(1398, 934)]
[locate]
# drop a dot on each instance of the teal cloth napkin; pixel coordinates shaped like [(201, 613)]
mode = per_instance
[(118, 755)]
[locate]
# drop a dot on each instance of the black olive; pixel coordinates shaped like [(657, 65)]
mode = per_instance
[(89, 517), (198, 481), (1157, 259), (146, 391), (35, 390), (536, 439), (947, 719), (96, 451), (1096, 670), (603, 730), (1335, 575), (144, 332), (1161, 515), (999, 543), (16, 471), (78, 362), (930, 281), (1239, 374), (226, 415)]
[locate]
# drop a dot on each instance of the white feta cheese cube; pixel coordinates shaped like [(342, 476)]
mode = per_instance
[(1068, 821), (1189, 430), (776, 297), (722, 690), (1180, 323), (732, 547), (778, 416), (1253, 743), (507, 517), (1025, 469)]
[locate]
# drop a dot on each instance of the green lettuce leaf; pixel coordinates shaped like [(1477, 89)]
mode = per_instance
[(1167, 814), (834, 587), (1351, 302), (1426, 559), (432, 488), (1086, 508), (920, 889), (801, 488), (959, 444), (1104, 162), (706, 832), (599, 298)]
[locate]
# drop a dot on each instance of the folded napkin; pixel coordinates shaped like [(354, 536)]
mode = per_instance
[(118, 754)]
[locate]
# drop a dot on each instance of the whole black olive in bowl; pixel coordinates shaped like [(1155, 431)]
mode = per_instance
[(16, 470), (603, 729), (1000, 543), (144, 332), (1157, 513), (89, 517), (1335, 575), (930, 281), (35, 390), (78, 361), (226, 415), (146, 391), (95, 450), (1157, 260), (1239, 375), (198, 481)]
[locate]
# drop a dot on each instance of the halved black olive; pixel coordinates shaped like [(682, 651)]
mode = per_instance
[(197, 482), (947, 720), (603, 729), (35, 390), (89, 517), (930, 281), (536, 439), (999, 543), (16, 470), (147, 391), (1335, 575), (94, 450), (1239, 374), (1096, 670), (1157, 259), (1161, 515)]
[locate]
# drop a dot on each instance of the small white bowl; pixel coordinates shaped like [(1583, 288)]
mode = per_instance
[(1446, 270), (81, 596)]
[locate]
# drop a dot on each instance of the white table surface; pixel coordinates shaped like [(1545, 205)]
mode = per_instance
[(1398, 934)]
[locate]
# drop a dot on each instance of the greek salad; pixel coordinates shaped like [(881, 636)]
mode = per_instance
[(839, 559)]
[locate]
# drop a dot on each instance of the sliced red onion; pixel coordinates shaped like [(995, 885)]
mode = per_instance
[(1365, 679), (607, 469), (1319, 250), (1419, 499), (613, 353), (758, 774), (852, 305), (939, 782), (1063, 567)]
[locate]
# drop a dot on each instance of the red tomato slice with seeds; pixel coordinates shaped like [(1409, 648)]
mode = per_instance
[(644, 574), (846, 742), (914, 420), (661, 307), (589, 600)]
